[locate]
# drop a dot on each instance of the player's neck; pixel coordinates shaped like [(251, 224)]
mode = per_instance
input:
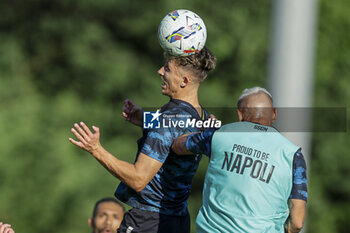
[(191, 98)]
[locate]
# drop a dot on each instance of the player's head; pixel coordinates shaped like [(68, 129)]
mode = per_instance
[(183, 75), (256, 105), (198, 64), (107, 215)]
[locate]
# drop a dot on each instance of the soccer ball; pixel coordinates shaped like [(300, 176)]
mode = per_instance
[(182, 33)]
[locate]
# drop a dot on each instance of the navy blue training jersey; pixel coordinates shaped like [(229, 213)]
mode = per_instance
[(201, 143), (168, 191)]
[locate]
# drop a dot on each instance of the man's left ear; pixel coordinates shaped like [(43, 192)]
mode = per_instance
[(274, 116)]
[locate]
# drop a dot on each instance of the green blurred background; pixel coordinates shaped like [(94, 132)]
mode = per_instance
[(65, 61)]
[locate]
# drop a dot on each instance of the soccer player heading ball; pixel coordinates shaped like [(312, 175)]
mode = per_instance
[(157, 185)]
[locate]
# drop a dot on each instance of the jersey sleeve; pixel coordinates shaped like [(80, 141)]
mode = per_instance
[(299, 188), (157, 144), (200, 143)]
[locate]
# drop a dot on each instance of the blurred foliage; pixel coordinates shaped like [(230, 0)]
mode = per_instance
[(66, 61), (329, 184)]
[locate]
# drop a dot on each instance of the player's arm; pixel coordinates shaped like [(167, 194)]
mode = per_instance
[(179, 145), (136, 176), (298, 197), (132, 113), (296, 218), (195, 143)]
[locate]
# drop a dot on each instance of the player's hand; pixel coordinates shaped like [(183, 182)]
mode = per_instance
[(6, 228), (87, 140), (212, 116), (132, 113)]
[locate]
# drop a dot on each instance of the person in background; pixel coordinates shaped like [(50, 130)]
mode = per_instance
[(107, 215)]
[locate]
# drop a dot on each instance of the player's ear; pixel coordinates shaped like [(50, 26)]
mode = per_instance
[(185, 81), (274, 116), (90, 222), (239, 114)]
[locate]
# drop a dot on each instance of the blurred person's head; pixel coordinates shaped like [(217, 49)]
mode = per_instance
[(107, 215), (182, 75), (255, 105)]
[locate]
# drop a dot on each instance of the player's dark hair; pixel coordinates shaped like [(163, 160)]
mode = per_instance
[(106, 199), (199, 63)]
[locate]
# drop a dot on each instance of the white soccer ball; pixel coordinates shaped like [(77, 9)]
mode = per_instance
[(182, 33)]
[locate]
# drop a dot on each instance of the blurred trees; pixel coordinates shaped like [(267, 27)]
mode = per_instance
[(66, 61), (329, 205)]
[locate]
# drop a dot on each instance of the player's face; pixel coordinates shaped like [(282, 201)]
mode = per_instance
[(108, 218), (171, 79)]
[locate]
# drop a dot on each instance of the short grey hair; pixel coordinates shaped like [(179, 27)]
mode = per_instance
[(251, 91)]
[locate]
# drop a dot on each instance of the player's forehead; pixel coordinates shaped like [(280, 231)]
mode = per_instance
[(171, 65), (109, 207)]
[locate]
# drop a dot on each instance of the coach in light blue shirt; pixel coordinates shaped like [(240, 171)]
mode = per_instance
[(256, 178)]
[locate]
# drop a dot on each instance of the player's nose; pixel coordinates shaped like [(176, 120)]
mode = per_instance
[(109, 220), (161, 71)]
